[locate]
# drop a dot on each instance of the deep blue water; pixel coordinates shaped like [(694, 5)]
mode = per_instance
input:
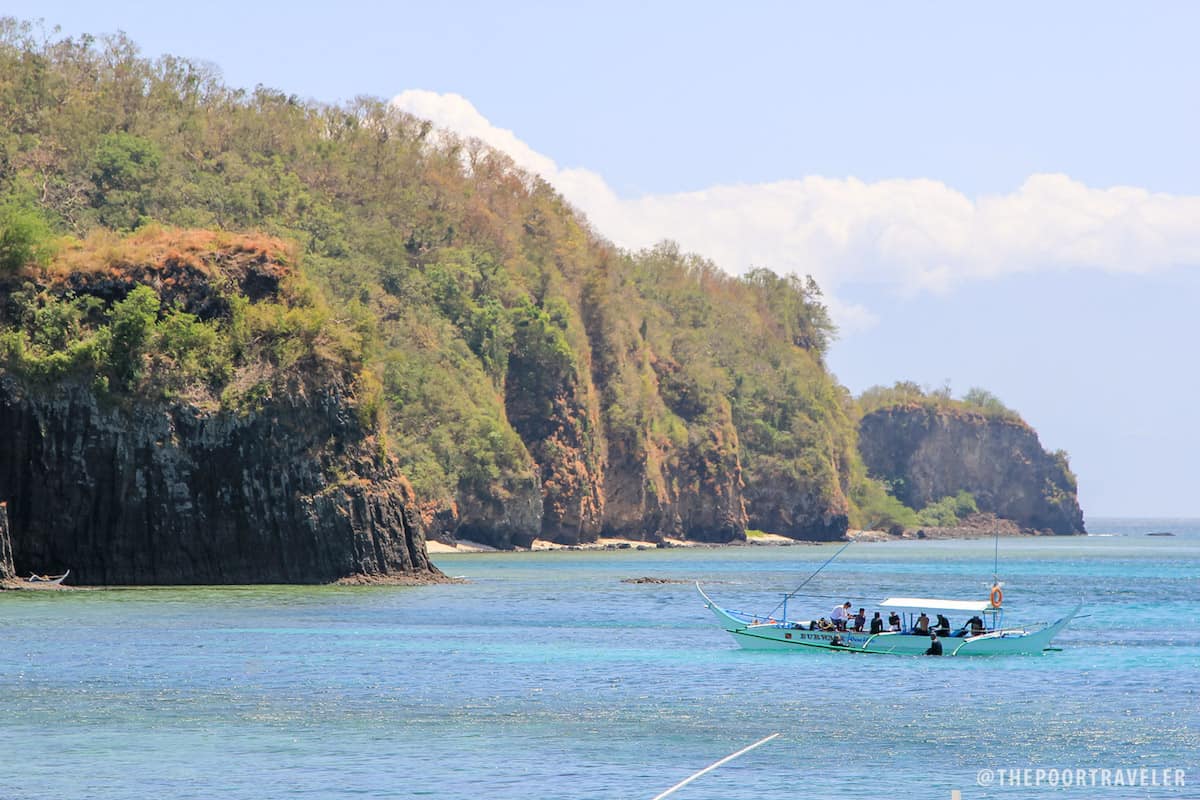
[(546, 677)]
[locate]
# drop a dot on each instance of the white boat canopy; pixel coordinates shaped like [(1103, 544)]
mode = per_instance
[(933, 604)]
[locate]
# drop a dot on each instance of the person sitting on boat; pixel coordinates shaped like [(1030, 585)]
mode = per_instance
[(922, 626), (972, 627), (943, 626), (860, 619), (839, 615), (893, 621), (825, 625), (876, 624), (935, 646)]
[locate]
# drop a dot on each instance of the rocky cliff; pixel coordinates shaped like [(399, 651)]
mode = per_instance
[(672, 469), (927, 453), (7, 570), (657, 488), (163, 493), (129, 465), (537, 381)]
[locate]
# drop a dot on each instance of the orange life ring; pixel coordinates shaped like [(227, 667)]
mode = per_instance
[(997, 596)]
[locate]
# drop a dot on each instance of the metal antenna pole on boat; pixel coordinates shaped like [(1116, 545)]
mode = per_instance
[(713, 766), (792, 594), (996, 559)]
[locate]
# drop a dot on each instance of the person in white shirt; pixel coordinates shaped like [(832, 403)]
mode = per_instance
[(840, 614)]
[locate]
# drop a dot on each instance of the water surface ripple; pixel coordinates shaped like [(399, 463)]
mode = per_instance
[(546, 677)]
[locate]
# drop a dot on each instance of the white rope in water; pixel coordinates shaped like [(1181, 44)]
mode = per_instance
[(713, 766)]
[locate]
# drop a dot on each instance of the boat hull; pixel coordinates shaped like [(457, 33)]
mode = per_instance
[(772, 635), (47, 580)]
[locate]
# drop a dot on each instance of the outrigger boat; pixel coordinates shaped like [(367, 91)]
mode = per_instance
[(758, 632), (985, 634)]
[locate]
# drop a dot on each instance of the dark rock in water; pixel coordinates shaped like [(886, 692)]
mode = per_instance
[(1160, 533), (648, 579), (154, 492), (7, 571)]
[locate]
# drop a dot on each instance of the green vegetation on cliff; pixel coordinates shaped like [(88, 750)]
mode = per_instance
[(161, 313), (534, 379), (907, 393)]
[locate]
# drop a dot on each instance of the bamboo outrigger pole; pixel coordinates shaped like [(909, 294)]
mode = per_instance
[(713, 766)]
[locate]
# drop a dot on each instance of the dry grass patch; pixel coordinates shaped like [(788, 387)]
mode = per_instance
[(161, 247)]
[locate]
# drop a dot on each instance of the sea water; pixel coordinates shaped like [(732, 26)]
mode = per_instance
[(544, 675)]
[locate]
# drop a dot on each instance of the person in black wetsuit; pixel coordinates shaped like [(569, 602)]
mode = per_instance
[(935, 646), (876, 624)]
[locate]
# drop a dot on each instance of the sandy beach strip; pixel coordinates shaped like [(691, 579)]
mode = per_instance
[(607, 543)]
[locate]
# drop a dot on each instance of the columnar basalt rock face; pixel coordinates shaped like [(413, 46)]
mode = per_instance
[(135, 464), (126, 492), (927, 454)]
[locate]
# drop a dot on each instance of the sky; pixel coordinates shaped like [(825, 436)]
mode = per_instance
[(1004, 195)]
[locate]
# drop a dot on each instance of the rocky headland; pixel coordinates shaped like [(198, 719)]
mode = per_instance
[(926, 453), (148, 476)]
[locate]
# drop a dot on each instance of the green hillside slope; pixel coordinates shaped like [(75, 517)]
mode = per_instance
[(536, 380)]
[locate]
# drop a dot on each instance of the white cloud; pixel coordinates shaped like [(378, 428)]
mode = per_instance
[(916, 235), (456, 113)]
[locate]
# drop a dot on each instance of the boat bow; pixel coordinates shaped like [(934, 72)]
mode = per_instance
[(728, 621)]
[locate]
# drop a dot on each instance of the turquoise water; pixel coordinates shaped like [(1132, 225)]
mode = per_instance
[(546, 677)]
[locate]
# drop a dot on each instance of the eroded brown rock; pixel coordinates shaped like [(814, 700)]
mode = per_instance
[(927, 454)]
